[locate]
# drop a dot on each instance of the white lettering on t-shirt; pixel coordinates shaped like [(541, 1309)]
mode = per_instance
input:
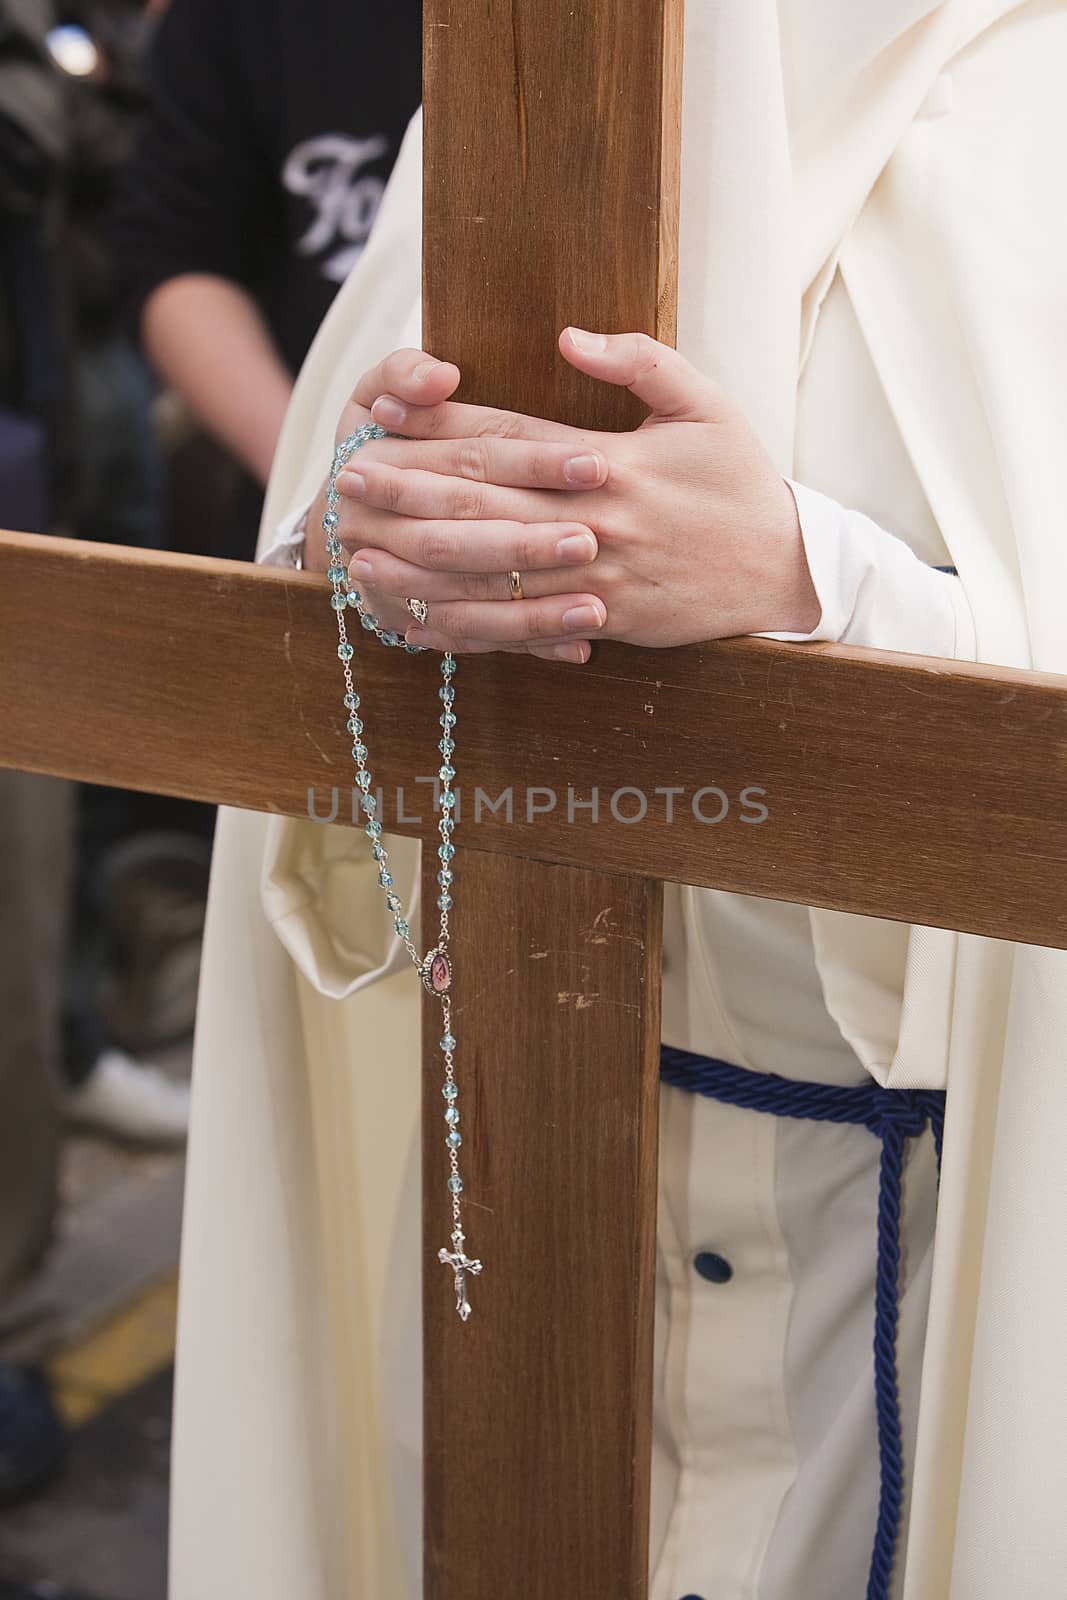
[(325, 170)]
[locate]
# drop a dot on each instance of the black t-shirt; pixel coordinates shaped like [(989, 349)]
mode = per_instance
[(273, 128)]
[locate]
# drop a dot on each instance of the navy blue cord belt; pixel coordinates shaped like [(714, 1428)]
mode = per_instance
[(892, 1115)]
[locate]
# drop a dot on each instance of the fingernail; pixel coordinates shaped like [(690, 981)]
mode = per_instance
[(593, 344), (416, 636), (576, 654), (579, 618), (389, 412), (584, 470), (361, 571), (576, 548), (352, 484), (424, 369)]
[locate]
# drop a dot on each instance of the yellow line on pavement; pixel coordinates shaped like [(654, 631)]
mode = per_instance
[(117, 1355)]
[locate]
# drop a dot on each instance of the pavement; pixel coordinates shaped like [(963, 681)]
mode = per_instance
[(101, 1526)]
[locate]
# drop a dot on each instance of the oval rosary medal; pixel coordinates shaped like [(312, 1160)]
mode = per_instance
[(440, 973)]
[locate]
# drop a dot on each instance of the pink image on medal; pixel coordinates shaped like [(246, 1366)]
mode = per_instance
[(440, 974)]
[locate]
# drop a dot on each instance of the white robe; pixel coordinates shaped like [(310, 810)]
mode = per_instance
[(948, 232)]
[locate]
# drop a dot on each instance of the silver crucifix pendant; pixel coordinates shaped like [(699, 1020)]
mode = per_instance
[(461, 1265)]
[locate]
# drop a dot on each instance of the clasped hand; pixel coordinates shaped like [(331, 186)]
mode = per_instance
[(677, 532)]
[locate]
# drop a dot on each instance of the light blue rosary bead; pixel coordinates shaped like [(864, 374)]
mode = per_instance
[(446, 746), (364, 780), (452, 1115), (450, 1092), (359, 751), (354, 725), (345, 652), (336, 574), (448, 1042), (401, 927), (352, 598), (373, 829), (448, 720), (448, 800), (455, 1183), (446, 773), (334, 547), (444, 877), (446, 851), (369, 804), (446, 825), (369, 622), (444, 902), (447, 693), (378, 851), (385, 879), (454, 1140), (338, 602), (352, 701), (329, 521), (391, 638)]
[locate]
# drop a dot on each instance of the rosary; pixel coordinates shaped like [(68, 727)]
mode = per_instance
[(434, 968)]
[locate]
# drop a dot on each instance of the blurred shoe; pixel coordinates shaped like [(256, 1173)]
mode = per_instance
[(152, 891), (33, 1441), (122, 1098)]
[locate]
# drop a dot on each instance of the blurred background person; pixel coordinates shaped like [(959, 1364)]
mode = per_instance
[(261, 152), (261, 133), (273, 127)]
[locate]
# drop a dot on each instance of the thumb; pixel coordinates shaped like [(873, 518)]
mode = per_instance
[(668, 384)]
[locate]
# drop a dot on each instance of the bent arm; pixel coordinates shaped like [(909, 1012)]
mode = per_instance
[(209, 341)]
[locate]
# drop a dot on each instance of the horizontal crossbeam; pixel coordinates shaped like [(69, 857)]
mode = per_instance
[(905, 787)]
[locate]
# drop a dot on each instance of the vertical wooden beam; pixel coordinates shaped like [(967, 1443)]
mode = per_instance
[(551, 195), (538, 1410), (553, 134)]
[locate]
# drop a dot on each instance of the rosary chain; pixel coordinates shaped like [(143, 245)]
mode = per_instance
[(434, 967)]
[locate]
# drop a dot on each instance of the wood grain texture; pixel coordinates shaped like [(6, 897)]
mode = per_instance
[(905, 787), (551, 192), (538, 1410), (551, 198)]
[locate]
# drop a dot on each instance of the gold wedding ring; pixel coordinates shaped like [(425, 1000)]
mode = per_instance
[(515, 585)]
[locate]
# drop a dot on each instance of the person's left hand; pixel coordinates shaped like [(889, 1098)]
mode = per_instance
[(698, 535)]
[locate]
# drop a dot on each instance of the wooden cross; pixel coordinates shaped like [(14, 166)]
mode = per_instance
[(551, 124)]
